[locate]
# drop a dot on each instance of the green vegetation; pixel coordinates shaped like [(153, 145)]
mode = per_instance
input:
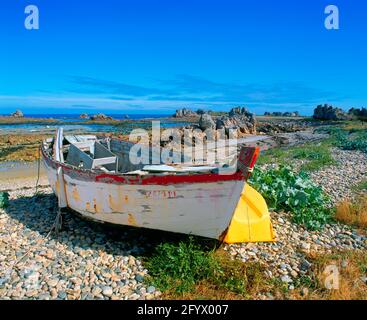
[(350, 136), (4, 199), (186, 267), (295, 193), (362, 186), (316, 155), (352, 140)]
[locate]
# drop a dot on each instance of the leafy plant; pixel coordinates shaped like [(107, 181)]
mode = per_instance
[(350, 139), (180, 266), (293, 192), (4, 199)]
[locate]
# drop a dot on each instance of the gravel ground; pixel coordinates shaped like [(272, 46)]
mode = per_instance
[(286, 257), (338, 181), (84, 261), (89, 261)]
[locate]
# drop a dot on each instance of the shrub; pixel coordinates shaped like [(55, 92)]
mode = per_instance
[(353, 139), (295, 193)]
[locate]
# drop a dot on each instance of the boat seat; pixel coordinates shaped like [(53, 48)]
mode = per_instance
[(91, 155)]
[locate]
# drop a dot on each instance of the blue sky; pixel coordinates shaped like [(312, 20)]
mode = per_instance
[(156, 56)]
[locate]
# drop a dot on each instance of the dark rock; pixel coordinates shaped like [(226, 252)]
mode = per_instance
[(139, 278), (328, 112), (100, 116), (84, 116), (239, 119), (206, 122), (360, 114), (181, 113), (200, 111), (305, 265)]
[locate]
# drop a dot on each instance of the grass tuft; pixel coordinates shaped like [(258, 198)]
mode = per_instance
[(186, 270), (353, 213), (315, 156)]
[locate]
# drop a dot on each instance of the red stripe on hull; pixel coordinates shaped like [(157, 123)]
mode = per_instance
[(142, 180), (170, 179)]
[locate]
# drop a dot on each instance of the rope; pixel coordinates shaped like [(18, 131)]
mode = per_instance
[(38, 168)]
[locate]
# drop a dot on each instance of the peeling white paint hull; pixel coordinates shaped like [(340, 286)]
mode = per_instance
[(203, 209)]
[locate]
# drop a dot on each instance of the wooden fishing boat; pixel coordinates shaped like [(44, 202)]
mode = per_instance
[(95, 178)]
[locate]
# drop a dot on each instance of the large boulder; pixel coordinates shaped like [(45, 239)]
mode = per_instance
[(206, 122), (17, 114), (239, 119), (100, 117), (84, 116), (328, 112)]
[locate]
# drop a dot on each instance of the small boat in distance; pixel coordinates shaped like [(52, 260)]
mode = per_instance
[(95, 177)]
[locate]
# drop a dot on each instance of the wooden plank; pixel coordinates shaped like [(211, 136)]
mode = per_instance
[(104, 161), (76, 157)]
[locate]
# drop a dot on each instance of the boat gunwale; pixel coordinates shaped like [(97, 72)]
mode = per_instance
[(136, 179)]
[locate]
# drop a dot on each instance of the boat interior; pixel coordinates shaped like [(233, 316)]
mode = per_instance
[(90, 152)]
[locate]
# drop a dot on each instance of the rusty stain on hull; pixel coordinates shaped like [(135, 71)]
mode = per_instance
[(131, 220), (75, 194), (96, 205), (88, 208)]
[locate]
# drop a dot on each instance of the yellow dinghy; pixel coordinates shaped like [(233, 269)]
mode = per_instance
[(251, 220)]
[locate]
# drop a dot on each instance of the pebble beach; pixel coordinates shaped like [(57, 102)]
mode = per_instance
[(89, 261)]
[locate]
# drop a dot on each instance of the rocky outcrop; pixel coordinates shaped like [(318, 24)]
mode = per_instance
[(360, 114), (100, 117), (328, 112), (181, 113), (84, 116), (206, 122), (238, 119), (17, 114)]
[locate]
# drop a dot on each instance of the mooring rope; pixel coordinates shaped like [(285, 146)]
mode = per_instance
[(38, 168)]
